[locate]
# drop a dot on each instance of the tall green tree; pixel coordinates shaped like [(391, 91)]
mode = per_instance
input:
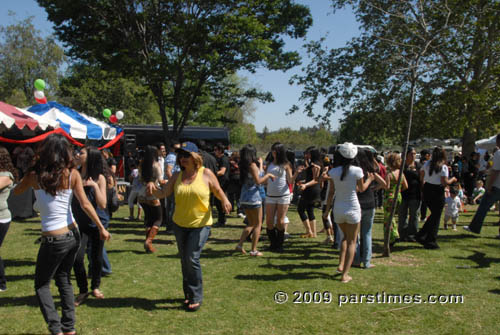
[(456, 84), (24, 57), (180, 47), (89, 89), (230, 106)]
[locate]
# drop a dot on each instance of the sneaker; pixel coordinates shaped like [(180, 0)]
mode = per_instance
[(3, 289), (241, 215), (431, 245), (287, 236), (467, 228)]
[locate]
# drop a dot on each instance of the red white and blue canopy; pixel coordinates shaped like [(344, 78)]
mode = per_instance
[(27, 122), (77, 125)]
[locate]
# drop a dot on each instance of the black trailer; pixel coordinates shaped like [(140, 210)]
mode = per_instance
[(141, 135)]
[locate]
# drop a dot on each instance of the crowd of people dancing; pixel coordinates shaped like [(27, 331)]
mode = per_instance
[(76, 194)]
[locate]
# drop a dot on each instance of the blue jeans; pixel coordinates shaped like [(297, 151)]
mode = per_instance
[(364, 243), (55, 260), (190, 242), (408, 228), (488, 200), (4, 227), (170, 212)]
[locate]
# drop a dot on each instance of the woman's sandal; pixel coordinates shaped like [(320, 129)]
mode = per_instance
[(193, 307), (80, 299), (97, 294), (256, 253), (346, 280), (306, 236), (240, 249)]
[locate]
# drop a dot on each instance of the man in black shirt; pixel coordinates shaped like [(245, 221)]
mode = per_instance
[(209, 160), (222, 174)]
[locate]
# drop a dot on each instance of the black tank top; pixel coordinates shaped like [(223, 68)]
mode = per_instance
[(311, 193)]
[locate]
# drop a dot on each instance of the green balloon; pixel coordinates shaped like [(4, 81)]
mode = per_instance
[(39, 84), (106, 112)]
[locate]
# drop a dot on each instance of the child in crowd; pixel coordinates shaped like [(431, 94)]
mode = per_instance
[(134, 179), (478, 192), (461, 194), (453, 206)]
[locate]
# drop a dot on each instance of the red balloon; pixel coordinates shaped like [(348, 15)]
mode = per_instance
[(113, 118), (41, 101)]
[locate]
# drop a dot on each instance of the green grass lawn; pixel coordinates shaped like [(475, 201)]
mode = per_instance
[(144, 293)]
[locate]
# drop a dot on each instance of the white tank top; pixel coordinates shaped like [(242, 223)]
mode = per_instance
[(55, 211), (278, 187)]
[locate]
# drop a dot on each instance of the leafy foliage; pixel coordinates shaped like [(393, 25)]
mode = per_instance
[(369, 78), (90, 90), (24, 57), (298, 139), (180, 48)]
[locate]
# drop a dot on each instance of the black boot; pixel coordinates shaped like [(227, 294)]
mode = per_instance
[(280, 238), (271, 234)]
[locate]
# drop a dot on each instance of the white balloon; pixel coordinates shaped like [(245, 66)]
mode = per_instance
[(39, 94), (119, 115)]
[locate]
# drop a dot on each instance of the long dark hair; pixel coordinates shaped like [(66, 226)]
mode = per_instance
[(365, 161), (150, 156), (96, 164), (248, 155), (316, 157), (281, 158), (438, 159), (345, 163), (6, 163), (54, 156)]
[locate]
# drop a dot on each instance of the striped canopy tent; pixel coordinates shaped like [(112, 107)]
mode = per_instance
[(78, 126), (27, 123), (487, 143)]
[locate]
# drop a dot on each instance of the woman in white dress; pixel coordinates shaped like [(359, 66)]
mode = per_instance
[(346, 180)]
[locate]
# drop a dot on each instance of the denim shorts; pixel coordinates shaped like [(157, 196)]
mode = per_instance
[(250, 206)]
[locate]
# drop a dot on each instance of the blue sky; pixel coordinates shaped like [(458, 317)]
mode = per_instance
[(339, 28)]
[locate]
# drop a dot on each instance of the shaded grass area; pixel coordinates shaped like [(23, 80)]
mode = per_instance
[(144, 293)]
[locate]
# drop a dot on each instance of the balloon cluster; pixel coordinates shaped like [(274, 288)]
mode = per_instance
[(113, 118), (39, 95)]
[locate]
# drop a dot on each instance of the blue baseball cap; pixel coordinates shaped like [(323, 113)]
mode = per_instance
[(189, 147)]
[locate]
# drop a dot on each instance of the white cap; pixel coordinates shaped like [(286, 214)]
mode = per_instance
[(348, 150)]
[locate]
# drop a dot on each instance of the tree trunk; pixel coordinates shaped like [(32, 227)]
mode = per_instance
[(468, 142), (164, 123)]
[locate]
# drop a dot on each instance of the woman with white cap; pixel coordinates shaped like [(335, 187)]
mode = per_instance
[(346, 179)]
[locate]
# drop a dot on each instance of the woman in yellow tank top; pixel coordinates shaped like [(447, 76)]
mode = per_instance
[(192, 216)]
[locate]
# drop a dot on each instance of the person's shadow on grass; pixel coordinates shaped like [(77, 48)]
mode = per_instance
[(8, 263), (480, 259), (29, 300), (137, 303)]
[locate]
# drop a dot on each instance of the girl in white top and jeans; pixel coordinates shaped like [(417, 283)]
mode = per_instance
[(346, 179), (54, 180)]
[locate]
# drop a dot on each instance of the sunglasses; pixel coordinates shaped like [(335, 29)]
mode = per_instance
[(184, 154)]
